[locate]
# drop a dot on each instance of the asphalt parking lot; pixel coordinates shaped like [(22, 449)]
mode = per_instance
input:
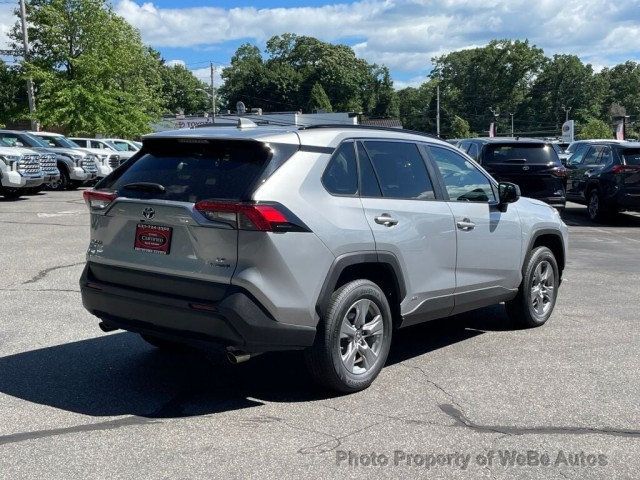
[(77, 403)]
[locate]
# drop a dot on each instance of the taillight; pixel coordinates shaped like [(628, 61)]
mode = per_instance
[(97, 200), (250, 216), (625, 169), (560, 172)]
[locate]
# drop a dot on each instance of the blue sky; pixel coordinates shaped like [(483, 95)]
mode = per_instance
[(402, 34)]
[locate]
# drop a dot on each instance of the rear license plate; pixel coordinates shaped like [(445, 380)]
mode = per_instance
[(153, 239)]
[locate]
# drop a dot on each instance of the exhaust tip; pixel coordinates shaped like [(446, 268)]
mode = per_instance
[(236, 356), (106, 328)]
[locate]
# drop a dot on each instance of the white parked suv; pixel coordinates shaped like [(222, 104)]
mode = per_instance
[(20, 171), (111, 157), (324, 239)]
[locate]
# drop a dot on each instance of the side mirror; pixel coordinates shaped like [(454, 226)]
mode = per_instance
[(508, 193)]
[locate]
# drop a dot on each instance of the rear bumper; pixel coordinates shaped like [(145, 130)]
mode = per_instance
[(629, 201), (235, 319), (557, 202)]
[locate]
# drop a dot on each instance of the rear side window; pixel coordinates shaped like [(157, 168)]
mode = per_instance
[(401, 170), (473, 151), (341, 175), (191, 170), (631, 156), (534, 153)]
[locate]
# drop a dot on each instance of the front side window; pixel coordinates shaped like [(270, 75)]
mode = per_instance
[(341, 175), (578, 155), (591, 158), (401, 170), (473, 151), (463, 181)]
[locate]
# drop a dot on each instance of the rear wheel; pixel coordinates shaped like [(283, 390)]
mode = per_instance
[(353, 338), (596, 209), (538, 291), (62, 183)]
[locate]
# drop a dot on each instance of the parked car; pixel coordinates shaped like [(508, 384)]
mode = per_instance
[(20, 171), (324, 239), (123, 145), (48, 162), (532, 164), (74, 167), (605, 176), (105, 150)]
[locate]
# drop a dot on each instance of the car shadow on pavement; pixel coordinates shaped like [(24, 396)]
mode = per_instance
[(119, 374)]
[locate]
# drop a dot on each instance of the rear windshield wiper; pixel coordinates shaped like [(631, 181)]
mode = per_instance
[(516, 160), (146, 187)]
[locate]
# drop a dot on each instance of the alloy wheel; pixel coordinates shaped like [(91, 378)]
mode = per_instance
[(361, 336), (542, 289)]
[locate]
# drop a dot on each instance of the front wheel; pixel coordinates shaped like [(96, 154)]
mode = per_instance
[(538, 291), (353, 338), (11, 193)]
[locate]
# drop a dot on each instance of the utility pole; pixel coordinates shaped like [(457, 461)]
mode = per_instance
[(566, 113), (213, 93), (511, 115), (25, 43), (438, 109)]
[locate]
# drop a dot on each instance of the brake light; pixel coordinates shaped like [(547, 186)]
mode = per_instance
[(97, 200), (560, 172), (249, 216), (624, 169)]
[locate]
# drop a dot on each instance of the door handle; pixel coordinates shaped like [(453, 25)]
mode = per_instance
[(466, 225), (386, 220)]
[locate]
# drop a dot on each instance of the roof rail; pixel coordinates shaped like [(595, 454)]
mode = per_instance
[(368, 127)]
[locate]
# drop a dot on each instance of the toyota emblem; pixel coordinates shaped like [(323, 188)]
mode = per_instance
[(149, 213)]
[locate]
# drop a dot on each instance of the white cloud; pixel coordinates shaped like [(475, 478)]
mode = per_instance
[(406, 34), (175, 63)]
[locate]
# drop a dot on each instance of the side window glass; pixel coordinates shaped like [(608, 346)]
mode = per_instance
[(473, 151), (578, 155), (369, 186), (401, 170), (341, 175), (463, 181), (591, 158), (605, 156)]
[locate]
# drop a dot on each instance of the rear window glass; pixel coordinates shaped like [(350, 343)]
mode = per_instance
[(189, 171), (520, 152), (631, 156)]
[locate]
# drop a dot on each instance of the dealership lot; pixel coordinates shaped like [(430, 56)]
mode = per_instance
[(77, 403)]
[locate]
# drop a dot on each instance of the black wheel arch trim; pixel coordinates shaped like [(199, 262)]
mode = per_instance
[(353, 258), (548, 231)]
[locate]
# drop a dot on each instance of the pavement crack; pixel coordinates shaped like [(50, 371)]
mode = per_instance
[(449, 395), (461, 420), (91, 427), (43, 273)]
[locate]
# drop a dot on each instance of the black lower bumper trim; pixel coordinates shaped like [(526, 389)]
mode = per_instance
[(237, 320)]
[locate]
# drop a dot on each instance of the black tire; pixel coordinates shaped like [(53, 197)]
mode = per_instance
[(522, 310), (324, 358), (12, 193), (63, 183), (164, 345), (595, 208)]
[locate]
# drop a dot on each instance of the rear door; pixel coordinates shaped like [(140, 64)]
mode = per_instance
[(408, 220), (534, 167), (581, 167), (153, 224)]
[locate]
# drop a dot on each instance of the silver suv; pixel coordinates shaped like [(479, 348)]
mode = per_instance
[(325, 239)]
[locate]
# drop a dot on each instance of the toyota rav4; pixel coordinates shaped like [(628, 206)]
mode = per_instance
[(324, 239)]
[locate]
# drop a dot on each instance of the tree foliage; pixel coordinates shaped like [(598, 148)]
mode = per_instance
[(12, 94), (595, 128), (319, 100), (182, 91), (284, 78), (92, 72)]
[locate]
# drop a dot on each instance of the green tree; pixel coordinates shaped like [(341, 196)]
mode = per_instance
[(498, 75), (182, 91), (414, 104), (294, 64), (13, 98), (622, 87), (595, 128), (564, 81), (92, 72), (459, 128), (318, 99)]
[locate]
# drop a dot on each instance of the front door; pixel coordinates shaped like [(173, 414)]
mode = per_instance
[(489, 242)]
